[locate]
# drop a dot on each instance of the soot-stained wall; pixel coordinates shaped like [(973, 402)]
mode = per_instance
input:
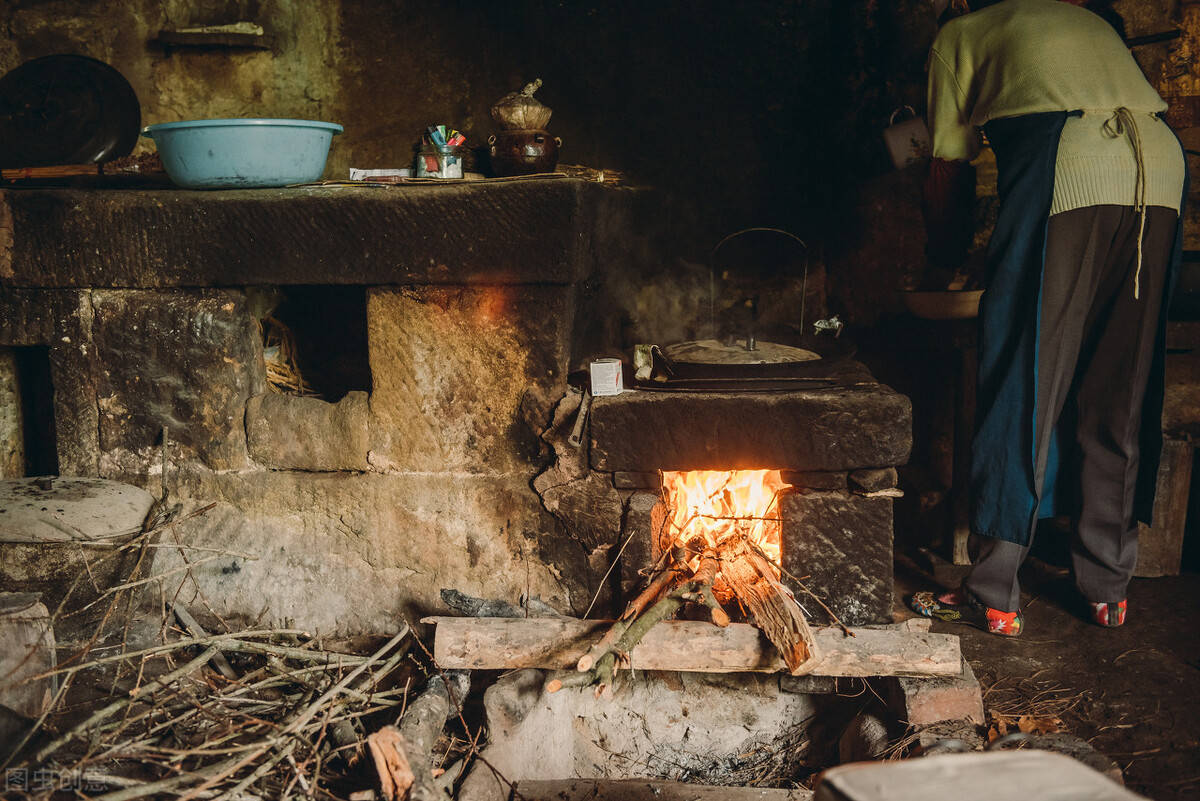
[(746, 113)]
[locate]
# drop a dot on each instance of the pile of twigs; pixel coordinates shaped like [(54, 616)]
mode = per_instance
[(185, 723), (1028, 704)]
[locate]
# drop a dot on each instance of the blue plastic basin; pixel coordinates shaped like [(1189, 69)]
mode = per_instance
[(242, 153)]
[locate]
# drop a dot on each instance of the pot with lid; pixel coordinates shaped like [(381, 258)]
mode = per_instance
[(523, 146)]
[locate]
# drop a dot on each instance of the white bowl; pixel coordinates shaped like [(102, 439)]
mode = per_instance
[(949, 304)]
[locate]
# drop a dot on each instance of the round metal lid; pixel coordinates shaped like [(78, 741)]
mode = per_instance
[(711, 351)]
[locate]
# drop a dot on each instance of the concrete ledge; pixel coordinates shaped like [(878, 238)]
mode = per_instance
[(485, 233)]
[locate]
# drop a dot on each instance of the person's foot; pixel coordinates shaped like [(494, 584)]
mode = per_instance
[(959, 606), (1109, 615)]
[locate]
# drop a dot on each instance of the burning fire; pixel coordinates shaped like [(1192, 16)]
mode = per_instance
[(724, 507)]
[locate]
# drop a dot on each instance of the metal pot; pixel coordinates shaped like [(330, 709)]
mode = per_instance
[(522, 152)]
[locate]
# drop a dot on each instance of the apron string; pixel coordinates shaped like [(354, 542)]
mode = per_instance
[(1122, 123)]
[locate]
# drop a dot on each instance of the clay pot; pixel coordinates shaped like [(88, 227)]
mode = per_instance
[(523, 152)]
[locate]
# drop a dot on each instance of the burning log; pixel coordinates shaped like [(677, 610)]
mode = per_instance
[(721, 534), (735, 517), (753, 581)]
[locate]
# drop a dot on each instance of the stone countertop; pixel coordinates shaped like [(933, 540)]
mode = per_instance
[(520, 232), (856, 424)]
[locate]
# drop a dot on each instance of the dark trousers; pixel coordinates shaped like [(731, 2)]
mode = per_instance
[(1095, 348)]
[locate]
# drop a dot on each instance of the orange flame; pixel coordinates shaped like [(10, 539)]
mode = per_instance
[(724, 506)]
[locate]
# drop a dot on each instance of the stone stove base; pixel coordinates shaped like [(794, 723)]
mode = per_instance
[(838, 446)]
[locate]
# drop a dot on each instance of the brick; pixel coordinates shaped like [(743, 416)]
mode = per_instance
[(925, 701)]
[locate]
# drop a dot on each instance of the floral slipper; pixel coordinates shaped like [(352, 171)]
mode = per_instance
[(959, 606), (1109, 615)]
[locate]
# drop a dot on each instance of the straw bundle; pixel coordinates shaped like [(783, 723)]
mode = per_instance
[(279, 354)]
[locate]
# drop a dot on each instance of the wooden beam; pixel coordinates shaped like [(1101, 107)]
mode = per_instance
[(687, 645)]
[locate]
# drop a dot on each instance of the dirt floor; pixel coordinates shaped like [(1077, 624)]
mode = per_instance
[(1132, 692)]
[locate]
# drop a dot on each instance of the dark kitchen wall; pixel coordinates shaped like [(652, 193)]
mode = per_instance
[(757, 112), (743, 113)]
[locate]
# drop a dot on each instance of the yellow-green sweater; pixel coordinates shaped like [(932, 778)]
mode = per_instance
[(1029, 56)]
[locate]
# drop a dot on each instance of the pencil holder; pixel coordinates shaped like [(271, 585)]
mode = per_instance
[(446, 161)]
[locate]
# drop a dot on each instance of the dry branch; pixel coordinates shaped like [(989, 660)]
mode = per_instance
[(196, 630), (188, 734), (658, 587), (423, 722)]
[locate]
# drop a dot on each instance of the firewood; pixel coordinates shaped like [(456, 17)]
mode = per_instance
[(688, 645), (389, 750), (613, 649), (656, 589), (752, 579), (423, 722)]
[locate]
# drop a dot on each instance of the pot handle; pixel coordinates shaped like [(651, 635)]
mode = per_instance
[(492, 144), (911, 114)]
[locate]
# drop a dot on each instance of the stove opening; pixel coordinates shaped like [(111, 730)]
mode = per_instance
[(726, 510), (30, 446), (315, 340)]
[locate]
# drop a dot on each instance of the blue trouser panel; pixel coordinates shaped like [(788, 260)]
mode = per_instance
[(1003, 491)]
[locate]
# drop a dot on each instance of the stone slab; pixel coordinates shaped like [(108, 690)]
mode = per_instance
[(874, 479), (815, 480), (589, 507), (27, 316), (835, 430), (488, 233), (464, 378), (634, 481), (843, 543), (351, 552), (1014, 775), (638, 554), (185, 359), (295, 433)]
